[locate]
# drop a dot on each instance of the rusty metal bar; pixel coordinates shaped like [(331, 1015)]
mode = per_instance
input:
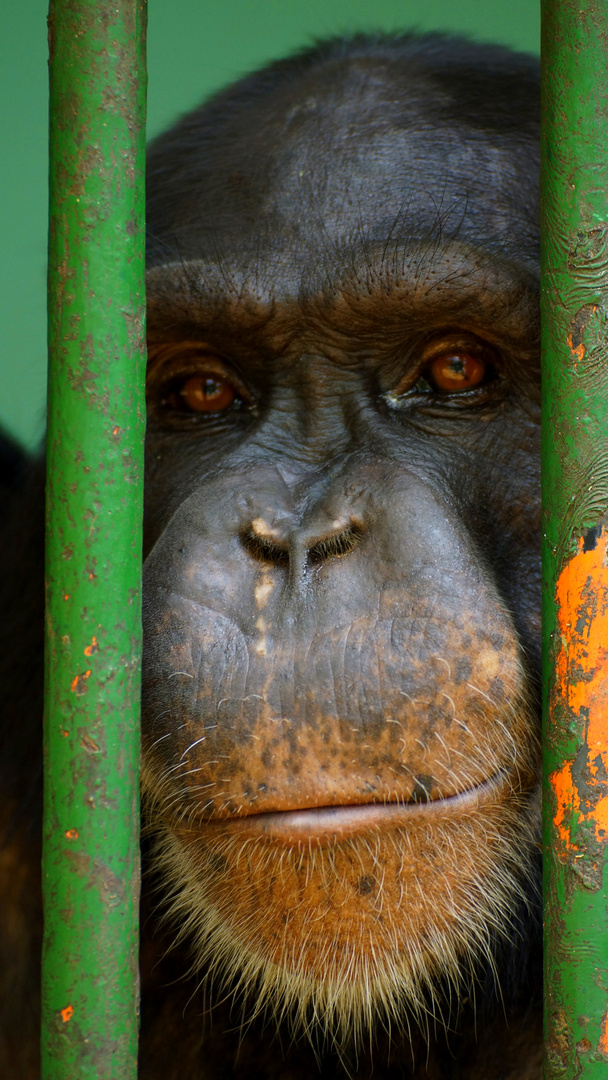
[(574, 298), (93, 559)]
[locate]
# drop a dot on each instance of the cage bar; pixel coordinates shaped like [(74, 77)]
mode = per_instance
[(93, 556), (574, 307)]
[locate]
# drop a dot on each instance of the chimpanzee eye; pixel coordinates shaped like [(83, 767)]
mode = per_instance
[(188, 378), (450, 367), (207, 392), (454, 372)]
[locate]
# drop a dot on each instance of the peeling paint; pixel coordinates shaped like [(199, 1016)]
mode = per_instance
[(567, 801), (581, 598)]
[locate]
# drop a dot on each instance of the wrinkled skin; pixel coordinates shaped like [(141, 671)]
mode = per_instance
[(341, 576)]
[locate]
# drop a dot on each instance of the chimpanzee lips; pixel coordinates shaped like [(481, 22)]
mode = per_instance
[(327, 824)]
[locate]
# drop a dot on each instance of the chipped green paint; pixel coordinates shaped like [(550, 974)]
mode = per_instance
[(93, 561), (574, 299)]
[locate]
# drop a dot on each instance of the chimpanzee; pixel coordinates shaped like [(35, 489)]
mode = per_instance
[(341, 582)]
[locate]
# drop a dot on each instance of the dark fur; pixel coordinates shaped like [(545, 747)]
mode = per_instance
[(283, 189)]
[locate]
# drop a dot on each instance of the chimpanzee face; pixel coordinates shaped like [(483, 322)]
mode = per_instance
[(342, 526)]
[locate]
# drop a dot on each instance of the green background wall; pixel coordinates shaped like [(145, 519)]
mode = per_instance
[(194, 47)]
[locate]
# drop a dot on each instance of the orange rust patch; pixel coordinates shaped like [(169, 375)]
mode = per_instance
[(582, 683), (579, 324), (601, 818), (603, 1039), (72, 834), (567, 801), (576, 350), (79, 683), (92, 648), (67, 1013)]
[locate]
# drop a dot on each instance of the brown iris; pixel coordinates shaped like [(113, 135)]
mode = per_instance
[(456, 371), (206, 393)]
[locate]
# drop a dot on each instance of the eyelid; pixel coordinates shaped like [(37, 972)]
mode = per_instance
[(184, 354), (170, 361), (455, 342)]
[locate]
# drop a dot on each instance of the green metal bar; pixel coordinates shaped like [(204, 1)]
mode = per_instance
[(574, 299), (93, 561)]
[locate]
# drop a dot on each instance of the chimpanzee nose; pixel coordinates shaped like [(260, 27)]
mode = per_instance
[(280, 546)]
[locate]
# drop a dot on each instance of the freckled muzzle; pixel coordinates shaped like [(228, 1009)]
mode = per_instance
[(328, 748), (362, 714), (375, 677)]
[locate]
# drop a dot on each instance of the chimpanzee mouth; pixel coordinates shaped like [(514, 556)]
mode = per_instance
[(333, 823)]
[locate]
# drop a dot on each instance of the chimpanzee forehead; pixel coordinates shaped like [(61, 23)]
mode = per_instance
[(358, 149)]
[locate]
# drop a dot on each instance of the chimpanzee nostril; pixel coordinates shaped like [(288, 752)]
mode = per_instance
[(336, 544), (265, 547)]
